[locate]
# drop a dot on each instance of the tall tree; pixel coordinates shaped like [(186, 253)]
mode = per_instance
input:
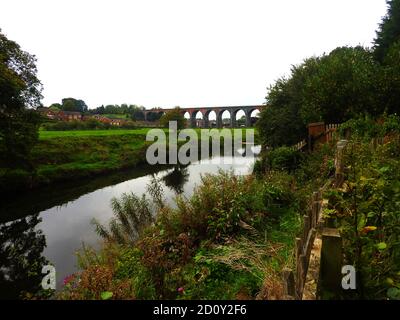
[(389, 30), (173, 115), (20, 92), (331, 88), (71, 104)]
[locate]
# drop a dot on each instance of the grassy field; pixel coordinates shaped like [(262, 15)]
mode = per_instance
[(99, 133), (90, 133), (116, 116), (74, 154), (69, 155)]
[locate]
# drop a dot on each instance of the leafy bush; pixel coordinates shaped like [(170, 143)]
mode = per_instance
[(132, 215), (367, 128), (175, 251), (366, 210), (283, 158)]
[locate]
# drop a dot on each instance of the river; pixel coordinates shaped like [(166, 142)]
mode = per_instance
[(48, 226)]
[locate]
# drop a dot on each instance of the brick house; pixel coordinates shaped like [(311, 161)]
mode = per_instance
[(69, 116)]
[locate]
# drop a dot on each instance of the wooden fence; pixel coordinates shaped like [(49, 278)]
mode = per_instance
[(313, 226), (330, 132), (318, 133), (294, 281)]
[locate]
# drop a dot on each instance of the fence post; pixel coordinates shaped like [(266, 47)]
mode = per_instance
[(331, 263), (306, 227), (289, 283), (339, 165)]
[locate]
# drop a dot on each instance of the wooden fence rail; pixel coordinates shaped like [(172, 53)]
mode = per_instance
[(313, 223)]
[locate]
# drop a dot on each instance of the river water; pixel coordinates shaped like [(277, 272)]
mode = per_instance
[(49, 225)]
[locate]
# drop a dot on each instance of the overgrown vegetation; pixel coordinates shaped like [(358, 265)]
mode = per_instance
[(366, 209), (72, 157), (201, 248), (89, 124), (346, 83), (230, 240), (20, 91)]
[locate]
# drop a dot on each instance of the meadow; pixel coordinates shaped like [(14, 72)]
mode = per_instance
[(73, 154), (43, 135)]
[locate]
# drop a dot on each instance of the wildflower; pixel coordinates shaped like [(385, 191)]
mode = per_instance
[(68, 279), (181, 290)]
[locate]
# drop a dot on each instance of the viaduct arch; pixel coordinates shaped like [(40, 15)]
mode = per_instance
[(193, 112)]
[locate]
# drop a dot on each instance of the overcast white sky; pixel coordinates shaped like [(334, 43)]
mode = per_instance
[(179, 52)]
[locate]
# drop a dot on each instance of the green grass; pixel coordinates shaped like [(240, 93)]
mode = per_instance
[(111, 132), (91, 133), (73, 154), (116, 116)]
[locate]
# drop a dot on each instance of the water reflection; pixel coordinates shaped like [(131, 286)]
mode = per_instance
[(177, 178), (21, 257), (65, 212)]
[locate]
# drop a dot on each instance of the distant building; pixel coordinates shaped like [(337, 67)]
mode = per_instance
[(69, 116), (59, 115)]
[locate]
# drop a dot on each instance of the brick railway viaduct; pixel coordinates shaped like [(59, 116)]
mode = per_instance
[(193, 112)]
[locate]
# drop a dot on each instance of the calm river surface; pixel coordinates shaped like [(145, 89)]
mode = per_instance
[(52, 223)]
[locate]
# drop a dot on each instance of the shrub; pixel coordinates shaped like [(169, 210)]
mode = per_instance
[(367, 128), (283, 158), (366, 211)]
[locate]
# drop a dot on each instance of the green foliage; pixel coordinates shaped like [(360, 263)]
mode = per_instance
[(128, 266), (21, 259), (61, 156), (390, 81), (211, 246), (332, 88), (89, 124), (366, 212), (173, 115), (44, 135), (389, 30), (71, 104), (210, 277), (126, 111), (19, 89), (343, 86), (280, 123), (367, 128), (283, 158), (132, 215)]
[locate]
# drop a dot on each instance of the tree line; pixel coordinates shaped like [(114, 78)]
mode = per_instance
[(346, 83)]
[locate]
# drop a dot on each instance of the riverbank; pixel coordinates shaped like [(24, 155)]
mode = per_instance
[(230, 240), (70, 158), (61, 156)]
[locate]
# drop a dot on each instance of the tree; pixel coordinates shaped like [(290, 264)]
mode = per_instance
[(55, 106), (173, 115), (389, 30), (280, 123), (71, 104), (343, 85), (390, 80), (138, 115), (332, 88), (20, 92), (21, 258)]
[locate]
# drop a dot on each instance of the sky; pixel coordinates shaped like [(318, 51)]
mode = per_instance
[(159, 53)]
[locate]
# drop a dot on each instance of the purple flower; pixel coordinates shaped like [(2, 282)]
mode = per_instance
[(68, 279)]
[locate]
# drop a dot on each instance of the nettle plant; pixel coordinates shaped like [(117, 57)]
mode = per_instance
[(367, 212)]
